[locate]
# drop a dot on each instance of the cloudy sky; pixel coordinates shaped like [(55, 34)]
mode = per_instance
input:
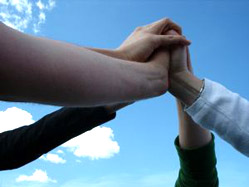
[(136, 149)]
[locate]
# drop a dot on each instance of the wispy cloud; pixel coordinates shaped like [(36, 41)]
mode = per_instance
[(47, 6), (95, 144), (53, 158), (13, 118), (42, 16), (23, 14), (37, 176), (124, 180)]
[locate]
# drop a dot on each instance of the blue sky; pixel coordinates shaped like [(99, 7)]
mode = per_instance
[(138, 149)]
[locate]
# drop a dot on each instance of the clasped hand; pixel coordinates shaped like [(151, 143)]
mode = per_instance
[(160, 45)]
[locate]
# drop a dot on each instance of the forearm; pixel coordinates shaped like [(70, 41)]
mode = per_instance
[(114, 54), (191, 135), (186, 87), (109, 52), (46, 71)]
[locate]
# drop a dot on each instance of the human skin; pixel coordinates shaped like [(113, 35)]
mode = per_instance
[(184, 85), (191, 135), (126, 50), (52, 72)]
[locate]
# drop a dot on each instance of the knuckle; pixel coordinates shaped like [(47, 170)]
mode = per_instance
[(171, 37), (168, 20), (165, 20), (138, 28)]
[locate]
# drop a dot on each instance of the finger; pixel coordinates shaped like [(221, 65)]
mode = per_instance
[(160, 26), (157, 27), (189, 64), (172, 26), (167, 40), (171, 32)]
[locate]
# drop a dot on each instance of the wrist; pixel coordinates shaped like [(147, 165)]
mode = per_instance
[(121, 54), (115, 53), (185, 87)]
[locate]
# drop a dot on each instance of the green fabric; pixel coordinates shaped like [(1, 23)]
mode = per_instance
[(198, 166)]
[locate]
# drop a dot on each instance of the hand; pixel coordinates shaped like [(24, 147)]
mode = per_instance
[(145, 40), (183, 84), (180, 57), (132, 50)]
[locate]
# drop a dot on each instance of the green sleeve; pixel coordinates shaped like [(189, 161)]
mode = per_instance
[(198, 166)]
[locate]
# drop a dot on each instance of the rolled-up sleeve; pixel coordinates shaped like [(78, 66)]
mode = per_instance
[(197, 166)]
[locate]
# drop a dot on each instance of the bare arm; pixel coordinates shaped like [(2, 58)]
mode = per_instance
[(115, 54), (127, 51), (191, 135), (52, 72), (194, 145)]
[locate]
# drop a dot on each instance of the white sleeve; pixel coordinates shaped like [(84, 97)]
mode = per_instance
[(224, 112)]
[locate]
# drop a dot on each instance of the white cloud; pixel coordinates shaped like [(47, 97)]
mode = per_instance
[(95, 144), (51, 4), (42, 17), (4, 2), (40, 5), (22, 14), (41, 20), (13, 118), (54, 158), (37, 176), (60, 152), (21, 5)]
